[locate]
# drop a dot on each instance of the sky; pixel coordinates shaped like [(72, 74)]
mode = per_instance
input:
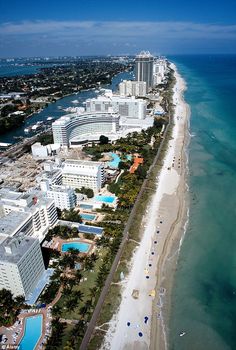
[(117, 27)]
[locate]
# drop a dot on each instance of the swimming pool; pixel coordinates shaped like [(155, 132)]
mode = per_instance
[(105, 199), (32, 332), (81, 246), (115, 160), (114, 163), (86, 206), (88, 217)]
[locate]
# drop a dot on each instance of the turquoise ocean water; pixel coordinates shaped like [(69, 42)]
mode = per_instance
[(203, 300)]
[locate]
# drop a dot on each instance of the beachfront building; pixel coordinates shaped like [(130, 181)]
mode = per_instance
[(128, 107), (52, 173), (29, 213), (132, 88), (64, 197), (144, 68), (21, 264), (159, 70), (72, 130), (82, 173)]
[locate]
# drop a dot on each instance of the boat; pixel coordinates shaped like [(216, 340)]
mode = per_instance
[(37, 126), (50, 119), (28, 129), (181, 334), (97, 91), (59, 107), (75, 101)]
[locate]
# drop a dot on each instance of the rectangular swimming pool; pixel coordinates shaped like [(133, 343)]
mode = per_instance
[(32, 332), (88, 217), (105, 199), (81, 246)]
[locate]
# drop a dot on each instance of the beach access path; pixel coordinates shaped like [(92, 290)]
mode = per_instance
[(139, 322)]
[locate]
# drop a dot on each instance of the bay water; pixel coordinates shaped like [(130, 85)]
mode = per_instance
[(56, 109)]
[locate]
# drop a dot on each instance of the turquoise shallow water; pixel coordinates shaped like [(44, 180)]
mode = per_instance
[(204, 292)]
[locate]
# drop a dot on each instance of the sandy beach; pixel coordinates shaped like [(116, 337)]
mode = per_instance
[(140, 321)]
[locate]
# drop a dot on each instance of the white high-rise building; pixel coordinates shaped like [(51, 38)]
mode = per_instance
[(144, 68), (82, 173), (31, 213), (159, 70), (64, 196), (72, 130), (21, 265), (128, 107), (132, 88)]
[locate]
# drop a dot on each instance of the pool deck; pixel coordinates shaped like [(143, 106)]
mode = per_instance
[(19, 325), (15, 333)]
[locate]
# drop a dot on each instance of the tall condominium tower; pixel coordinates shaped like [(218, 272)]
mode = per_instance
[(144, 68)]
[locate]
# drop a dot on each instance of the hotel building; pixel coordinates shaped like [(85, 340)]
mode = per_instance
[(144, 68), (21, 265), (29, 213), (132, 88), (159, 71), (128, 107), (81, 173), (64, 196), (72, 130)]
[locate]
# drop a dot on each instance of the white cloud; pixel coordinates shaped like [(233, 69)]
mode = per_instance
[(94, 37), (119, 30)]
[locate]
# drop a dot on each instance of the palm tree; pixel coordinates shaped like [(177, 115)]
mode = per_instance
[(93, 292), (71, 304), (64, 280), (83, 310), (78, 276), (71, 283), (56, 310), (88, 263), (66, 292), (93, 257), (19, 301), (78, 295), (89, 303), (9, 307)]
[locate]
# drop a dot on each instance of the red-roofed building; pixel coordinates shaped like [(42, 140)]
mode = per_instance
[(137, 162)]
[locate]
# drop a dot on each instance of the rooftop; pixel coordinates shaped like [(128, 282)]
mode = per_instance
[(10, 222), (27, 201), (14, 248), (82, 162), (64, 120), (81, 167), (144, 54)]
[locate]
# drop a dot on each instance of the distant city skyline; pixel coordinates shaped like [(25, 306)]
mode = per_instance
[(76, 28)]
